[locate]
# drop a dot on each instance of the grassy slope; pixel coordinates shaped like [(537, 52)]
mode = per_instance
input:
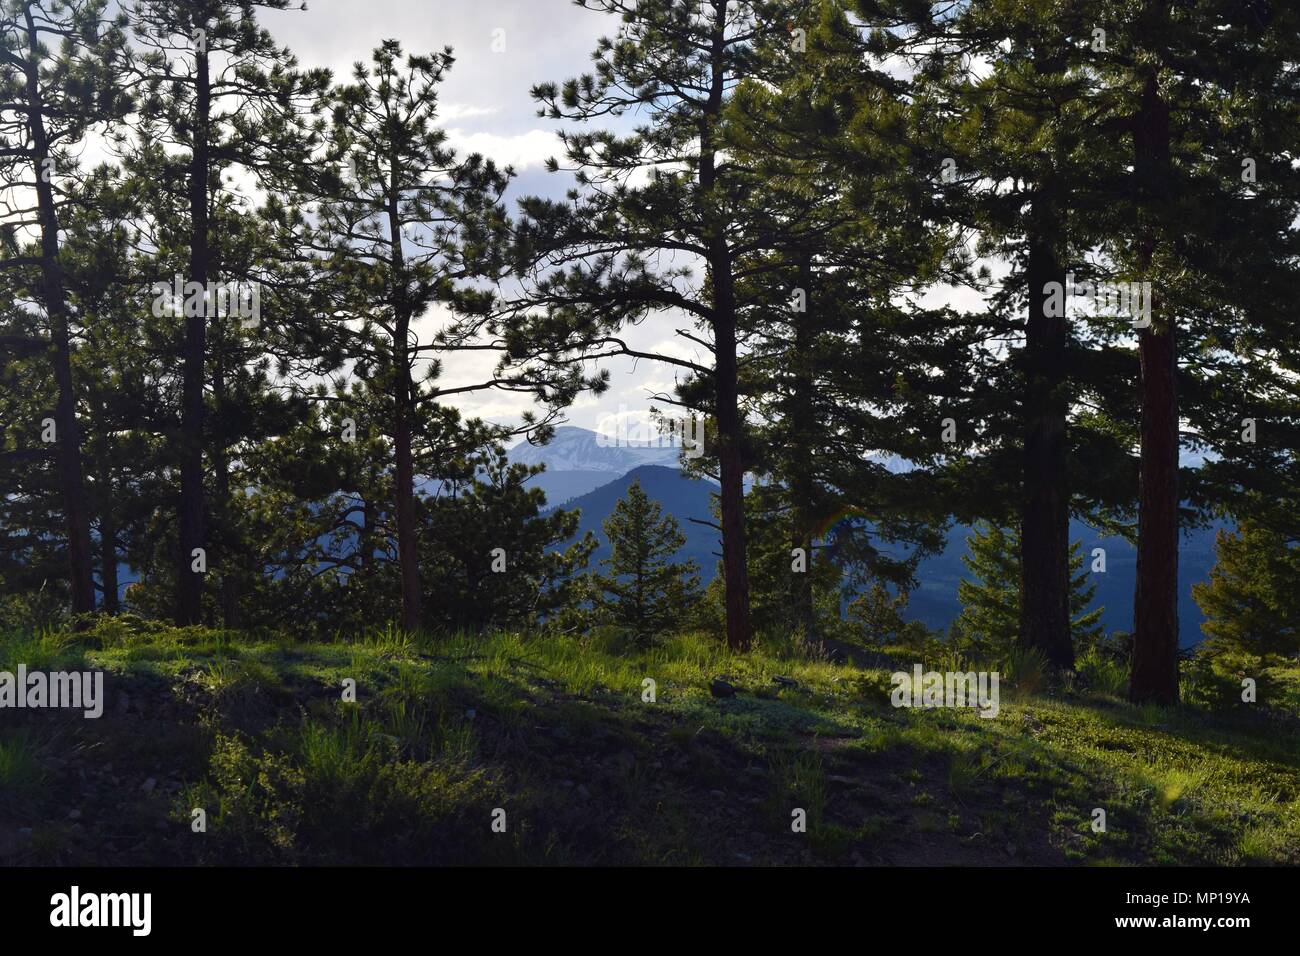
[(557, 734)]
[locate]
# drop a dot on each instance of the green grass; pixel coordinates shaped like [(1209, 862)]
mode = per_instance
[(555, 731)]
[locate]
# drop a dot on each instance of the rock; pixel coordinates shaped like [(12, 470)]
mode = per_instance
[(74, 814), (583, 792), (720, 688), (148, 785), (717, 793)]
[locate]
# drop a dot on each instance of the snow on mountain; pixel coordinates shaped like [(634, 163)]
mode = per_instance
[(578, 449)]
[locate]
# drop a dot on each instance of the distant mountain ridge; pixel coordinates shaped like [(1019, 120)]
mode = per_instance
[(578, 460), (934, 601)]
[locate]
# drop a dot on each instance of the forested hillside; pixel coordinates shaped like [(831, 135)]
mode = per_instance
[(869, 434)]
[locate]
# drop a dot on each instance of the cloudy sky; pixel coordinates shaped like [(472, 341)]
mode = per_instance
[(486, 108)]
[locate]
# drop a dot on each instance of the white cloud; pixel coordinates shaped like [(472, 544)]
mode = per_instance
[(453, 112), (521, 151)]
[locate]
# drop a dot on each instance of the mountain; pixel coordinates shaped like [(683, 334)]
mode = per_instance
[(578, 449), (682, 497), (934, 602)]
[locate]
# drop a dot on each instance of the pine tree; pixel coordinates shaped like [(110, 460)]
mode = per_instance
[(827, 341), (56, 83), (1023, 155), (1252, 599), (626, 246), (990, 616), (407, 227), (218, 94), (1207, 194), (643, 589)]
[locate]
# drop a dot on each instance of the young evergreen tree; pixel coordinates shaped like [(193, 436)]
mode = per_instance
[(1252, 600), (990, 616), (643, 588)]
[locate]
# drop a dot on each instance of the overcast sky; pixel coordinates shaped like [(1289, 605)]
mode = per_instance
[(486, 107)]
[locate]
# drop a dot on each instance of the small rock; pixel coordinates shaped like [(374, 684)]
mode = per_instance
[(74, 814), (720, 688), (148, 785), (717, 793), (583, 792)]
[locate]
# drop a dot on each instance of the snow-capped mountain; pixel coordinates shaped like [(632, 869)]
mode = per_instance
[(578, 461), (577, 449)]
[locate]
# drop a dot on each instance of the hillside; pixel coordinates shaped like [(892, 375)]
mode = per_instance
[(556, 733)]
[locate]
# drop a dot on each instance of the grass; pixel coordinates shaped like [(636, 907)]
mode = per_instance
[(560, 734)]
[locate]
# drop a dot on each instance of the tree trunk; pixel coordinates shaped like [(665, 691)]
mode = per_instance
[(76, 514), (735, 572), (408, 557), (108, 542), (801, 479), (1045, 507), (227, 537), (189, 583), (731, 474), (1154, 675), (407, 553)]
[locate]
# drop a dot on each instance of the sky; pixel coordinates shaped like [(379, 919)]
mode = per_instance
[(486, 108)]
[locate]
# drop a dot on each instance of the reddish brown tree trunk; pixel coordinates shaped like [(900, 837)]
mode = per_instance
[(408, 557), (731, 471)]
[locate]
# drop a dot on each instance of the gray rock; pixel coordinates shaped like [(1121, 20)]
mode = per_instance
[(720, 688)]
